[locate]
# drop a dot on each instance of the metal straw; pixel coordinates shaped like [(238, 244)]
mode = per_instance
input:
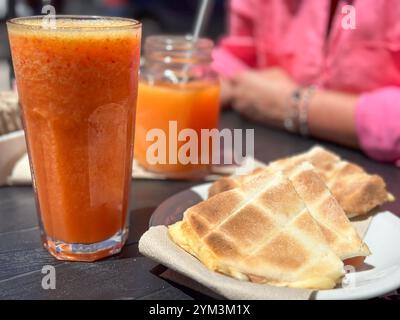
[(202, 17)]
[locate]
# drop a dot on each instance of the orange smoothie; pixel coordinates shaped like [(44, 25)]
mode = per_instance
[(194, 105), (78, 86)]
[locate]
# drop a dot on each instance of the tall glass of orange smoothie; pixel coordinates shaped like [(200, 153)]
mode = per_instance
[(77, 83)]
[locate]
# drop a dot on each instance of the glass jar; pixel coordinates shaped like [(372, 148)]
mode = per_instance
[(178, 90)]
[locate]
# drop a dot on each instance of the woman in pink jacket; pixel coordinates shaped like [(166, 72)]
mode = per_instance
[(329, 68)]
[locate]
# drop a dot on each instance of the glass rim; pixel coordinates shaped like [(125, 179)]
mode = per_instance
[(130, 23), (172, 42)]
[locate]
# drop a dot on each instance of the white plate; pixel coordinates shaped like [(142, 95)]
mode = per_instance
[(382, 274)]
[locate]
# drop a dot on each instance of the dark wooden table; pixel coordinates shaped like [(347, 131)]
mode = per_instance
[(129, 275)]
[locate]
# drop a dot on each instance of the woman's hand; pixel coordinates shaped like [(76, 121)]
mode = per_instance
[(262, 95), (226, 93)]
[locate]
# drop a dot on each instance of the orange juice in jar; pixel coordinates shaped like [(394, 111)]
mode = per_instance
[(178, 90)]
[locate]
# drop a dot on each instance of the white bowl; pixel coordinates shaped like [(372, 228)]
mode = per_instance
[(12, 148)]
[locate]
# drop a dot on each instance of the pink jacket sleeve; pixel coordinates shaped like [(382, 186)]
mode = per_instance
[(378, 124), (236, 52)]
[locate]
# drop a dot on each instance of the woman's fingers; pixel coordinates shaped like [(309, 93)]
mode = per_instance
[(246, 108), (226, 97), (239, 105), (243, 94)]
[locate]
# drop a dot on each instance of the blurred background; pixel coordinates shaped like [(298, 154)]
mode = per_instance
[(157, 16)]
